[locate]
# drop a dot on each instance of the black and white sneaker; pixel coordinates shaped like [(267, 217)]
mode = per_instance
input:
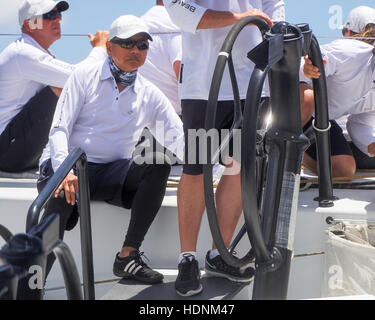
[(217, 267), (188, 279), (133, 267)]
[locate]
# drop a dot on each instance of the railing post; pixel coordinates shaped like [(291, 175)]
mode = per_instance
[(85, 227)]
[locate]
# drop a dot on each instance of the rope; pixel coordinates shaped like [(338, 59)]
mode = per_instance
[(82, 34), (156, 33)]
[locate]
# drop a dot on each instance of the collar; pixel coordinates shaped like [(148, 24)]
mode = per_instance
[(106, 74), (30, 40)]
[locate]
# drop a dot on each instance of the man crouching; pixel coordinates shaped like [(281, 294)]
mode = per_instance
[(103, 109)]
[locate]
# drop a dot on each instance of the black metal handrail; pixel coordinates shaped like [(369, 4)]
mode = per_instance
[(5, 233), (78, 159)]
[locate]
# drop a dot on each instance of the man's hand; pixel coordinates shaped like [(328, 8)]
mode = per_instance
[(310, 70), (70, 186), (257, 13), (371, 149), (100, 39)]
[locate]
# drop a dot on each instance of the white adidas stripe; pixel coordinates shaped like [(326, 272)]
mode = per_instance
[(136, 269), (127, 267), (132, 268)]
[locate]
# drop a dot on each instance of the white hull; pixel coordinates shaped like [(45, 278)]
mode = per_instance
[(162, 242)]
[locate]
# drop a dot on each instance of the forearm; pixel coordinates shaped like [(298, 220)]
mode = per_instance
[(218, 19)]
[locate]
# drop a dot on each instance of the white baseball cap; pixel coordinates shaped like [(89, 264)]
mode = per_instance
[(32, 8), (124, 27), (359, 18)]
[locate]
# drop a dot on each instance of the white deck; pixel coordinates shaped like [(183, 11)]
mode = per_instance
[(161, 245)]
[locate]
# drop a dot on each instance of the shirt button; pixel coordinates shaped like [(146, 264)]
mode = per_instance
[(117, 98)]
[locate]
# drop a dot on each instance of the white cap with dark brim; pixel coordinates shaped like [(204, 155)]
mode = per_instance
[(127, 26), (30, 9), (359, 18)]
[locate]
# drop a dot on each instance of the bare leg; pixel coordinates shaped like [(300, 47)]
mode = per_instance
[(191, 205), (125, 251), (342, 165), (229, 204), (307, 103)]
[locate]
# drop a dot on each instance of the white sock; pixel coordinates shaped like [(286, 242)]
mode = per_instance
[(213, 253), (181, 256)]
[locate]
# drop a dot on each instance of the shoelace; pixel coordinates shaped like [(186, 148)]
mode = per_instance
[(222, 265), (139, 259), (188, 270)]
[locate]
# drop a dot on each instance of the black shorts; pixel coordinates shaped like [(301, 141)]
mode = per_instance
[(193, 118), (339, 144)]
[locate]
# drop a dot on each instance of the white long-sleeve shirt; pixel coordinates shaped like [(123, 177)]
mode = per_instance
[(350, 73), (25, 69), (200, 48), (92, 114), (165, 50)]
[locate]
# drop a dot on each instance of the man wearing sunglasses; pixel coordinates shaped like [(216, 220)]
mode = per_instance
[(31, 79), (103, 109)]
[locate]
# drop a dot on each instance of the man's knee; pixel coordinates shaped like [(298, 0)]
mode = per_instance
[(56, 91), (307, 102), (343, 166)]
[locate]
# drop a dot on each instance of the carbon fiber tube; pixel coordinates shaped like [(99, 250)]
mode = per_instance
[(323, 133)]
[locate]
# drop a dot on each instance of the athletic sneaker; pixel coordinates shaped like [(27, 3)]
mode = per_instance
[(188, 279), (133, 267), (217, 267)]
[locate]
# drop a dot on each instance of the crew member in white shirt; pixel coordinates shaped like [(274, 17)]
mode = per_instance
[(163, 61), (205, 24), (31, 79), (103, 109), (350, 73)]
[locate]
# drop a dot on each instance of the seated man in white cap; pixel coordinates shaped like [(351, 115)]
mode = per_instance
[(31, 80), (350, 73), (103, 109)]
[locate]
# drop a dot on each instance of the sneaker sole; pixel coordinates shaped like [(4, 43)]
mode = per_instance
[(128, 276), (217, 274), (191, 292)]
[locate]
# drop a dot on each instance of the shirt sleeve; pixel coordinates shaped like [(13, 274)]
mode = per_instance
[(164, 123), (361, 129), (185, 14), (44, 68), (175, 48), (275, 9), (67, 110)]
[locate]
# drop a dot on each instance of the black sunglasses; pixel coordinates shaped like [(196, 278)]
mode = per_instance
[(129, 44), (52, 15)]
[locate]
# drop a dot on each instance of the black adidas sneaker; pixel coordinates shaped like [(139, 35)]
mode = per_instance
[(133, 267)]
